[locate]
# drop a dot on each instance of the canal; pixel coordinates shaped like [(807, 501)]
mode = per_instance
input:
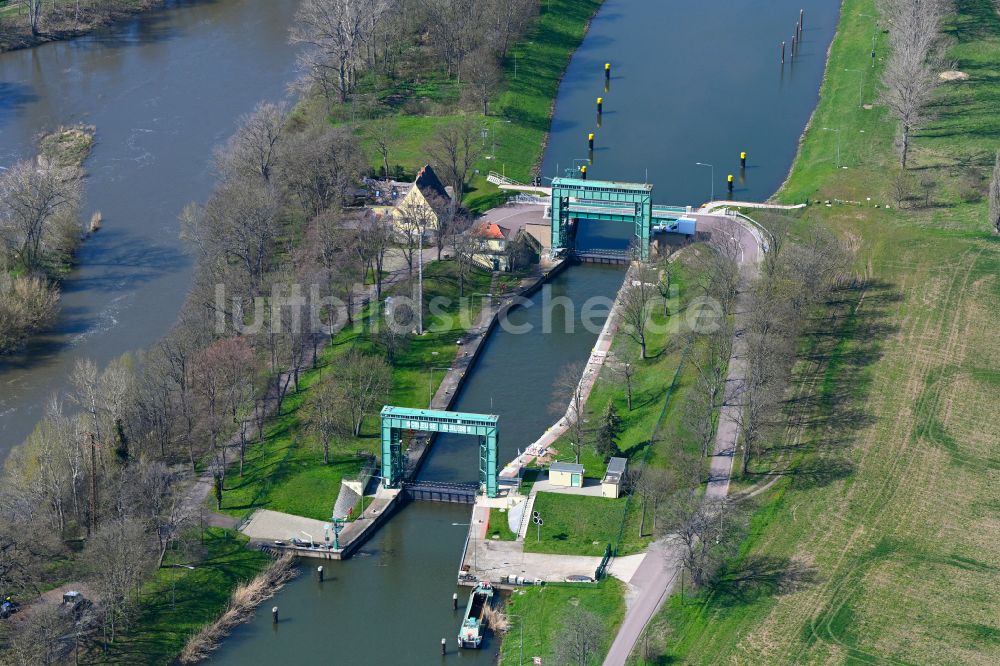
[(691, 83), (162, 90)]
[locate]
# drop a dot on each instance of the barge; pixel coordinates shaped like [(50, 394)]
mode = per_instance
[(470, 634)]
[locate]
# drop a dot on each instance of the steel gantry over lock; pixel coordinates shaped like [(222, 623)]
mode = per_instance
[(397, 421), (576, 198)]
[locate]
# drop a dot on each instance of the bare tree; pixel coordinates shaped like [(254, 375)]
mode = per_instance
[(325, 413), (653, 485), (483, 76), (454, 28), (454, 149), (38, 214), (994, 196), (624, 368), (567, 389), (708, 530), (255, 148), (374, 236), (362, 380), (34, 8), (27, 304), (636, 299), (910, 76), (383, 134), (508, 19), (322, 166), (335, 33), (581, 637), (414, 222)]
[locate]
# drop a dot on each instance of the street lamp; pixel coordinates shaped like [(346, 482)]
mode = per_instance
[(833, 129), (874, 34), (861, 88), (430, 383), (712, 167), (520, 625)]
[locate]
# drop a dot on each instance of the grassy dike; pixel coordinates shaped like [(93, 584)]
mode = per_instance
[(880, 545), (652, 433), (519, 117)]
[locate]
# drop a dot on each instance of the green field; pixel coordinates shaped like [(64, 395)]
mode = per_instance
[(581, 525), (286, 472), (537, 614), (879, 545)]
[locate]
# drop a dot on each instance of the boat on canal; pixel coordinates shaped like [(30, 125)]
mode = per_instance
[(470, 634)]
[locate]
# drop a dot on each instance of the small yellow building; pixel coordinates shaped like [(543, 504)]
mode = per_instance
[(567, 475), (611, 484)]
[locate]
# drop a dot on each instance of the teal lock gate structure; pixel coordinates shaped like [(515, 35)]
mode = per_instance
[(574, 198), (398, 421)]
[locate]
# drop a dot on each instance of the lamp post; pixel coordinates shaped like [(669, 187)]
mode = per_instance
[(520, 625), (861, 87), (430, 383), (712, 167), (874, 33), (834, 129)]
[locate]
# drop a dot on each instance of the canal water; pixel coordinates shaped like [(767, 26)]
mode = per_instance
[(162, 90), (692, 82)]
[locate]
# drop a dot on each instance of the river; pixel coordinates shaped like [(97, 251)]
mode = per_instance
[(162, 90), (691, 82)]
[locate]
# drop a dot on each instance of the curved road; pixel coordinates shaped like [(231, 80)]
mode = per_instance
[(656, 576)]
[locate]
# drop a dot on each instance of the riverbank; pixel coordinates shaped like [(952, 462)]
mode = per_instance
[(876, 544), (63, 19)]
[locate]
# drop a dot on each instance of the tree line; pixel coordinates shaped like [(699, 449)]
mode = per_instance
[(347, 40)]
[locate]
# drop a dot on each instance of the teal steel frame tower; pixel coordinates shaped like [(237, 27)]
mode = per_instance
[(398, 420), (575, 198)]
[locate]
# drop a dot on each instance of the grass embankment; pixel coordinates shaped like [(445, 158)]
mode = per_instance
[(540, 612), (286, 471), (652, 433), (178, 601), (519, 116), (880, 546)]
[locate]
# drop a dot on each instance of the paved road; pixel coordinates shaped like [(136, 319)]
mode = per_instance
[(659, 572)]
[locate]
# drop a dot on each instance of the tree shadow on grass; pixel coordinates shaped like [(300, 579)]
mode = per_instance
[(829, 402), (759, 576)]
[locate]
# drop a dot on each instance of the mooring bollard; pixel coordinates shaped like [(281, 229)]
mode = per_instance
[(743, 159), (444, 646), (590, 141), (319, 573), (454, 601), (274, 615), (607, 70), (583, 172), (600, 105), (729, 183)]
